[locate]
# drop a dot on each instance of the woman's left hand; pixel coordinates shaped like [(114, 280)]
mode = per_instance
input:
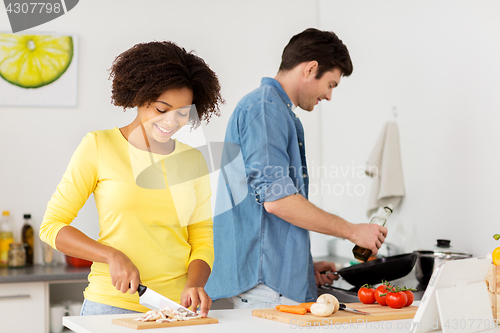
[(193, 297)]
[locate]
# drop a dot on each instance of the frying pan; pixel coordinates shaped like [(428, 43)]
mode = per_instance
[(374, 271)]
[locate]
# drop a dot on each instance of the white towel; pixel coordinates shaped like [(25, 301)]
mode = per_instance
[(384, 166)]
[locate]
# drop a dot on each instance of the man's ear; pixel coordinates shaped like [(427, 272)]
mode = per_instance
[(311, 69)]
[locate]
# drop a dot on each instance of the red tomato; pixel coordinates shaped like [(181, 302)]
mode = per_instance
[(409, 296), (382, 289), (396, 300), (366, 295)]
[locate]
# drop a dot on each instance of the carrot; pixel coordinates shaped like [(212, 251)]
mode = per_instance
[(297, 309), (307, 306)]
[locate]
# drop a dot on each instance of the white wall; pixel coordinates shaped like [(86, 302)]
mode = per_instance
[(242, 41), (438, 62)]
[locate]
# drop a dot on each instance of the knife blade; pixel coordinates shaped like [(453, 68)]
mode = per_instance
[(345, 308), (155, 301)]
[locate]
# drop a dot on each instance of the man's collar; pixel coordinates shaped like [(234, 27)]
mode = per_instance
[(274, 83)]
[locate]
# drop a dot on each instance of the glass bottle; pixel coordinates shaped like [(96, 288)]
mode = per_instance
[(17, 255), (6, 237), (362, 253), (27, 239)]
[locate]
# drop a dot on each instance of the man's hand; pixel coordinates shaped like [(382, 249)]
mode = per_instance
[(369, 236), (321, 266)]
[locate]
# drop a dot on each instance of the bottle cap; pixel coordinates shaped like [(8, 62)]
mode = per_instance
[(27, 216), (6, 213)]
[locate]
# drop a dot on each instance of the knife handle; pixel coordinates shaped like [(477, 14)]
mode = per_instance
[(141, 289)]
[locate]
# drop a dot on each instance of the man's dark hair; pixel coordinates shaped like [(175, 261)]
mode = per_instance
[(316, 45), (145, 71)]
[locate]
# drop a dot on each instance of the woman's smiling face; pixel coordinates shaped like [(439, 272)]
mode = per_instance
[(170, 112)]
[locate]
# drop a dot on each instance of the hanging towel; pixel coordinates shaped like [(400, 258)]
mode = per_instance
[(384, 166)]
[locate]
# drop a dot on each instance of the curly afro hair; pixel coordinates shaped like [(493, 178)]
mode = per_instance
[(145, 71)]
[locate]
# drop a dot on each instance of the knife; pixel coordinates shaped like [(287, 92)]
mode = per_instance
[(151, 299), (345, 308)]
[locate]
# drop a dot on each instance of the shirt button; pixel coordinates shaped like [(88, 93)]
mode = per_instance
[(300, 143), (296, 116)]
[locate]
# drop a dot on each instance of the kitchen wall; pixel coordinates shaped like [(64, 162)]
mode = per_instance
[(438, 63), (242, 41), (435, 61)]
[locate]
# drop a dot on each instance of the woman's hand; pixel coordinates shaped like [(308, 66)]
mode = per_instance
[(124, 274), (196, 296)]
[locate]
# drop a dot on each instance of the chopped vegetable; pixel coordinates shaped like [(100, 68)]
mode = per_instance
[(496, 236)]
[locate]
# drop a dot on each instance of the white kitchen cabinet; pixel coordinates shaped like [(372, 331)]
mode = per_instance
[(23, 306), (27, 293)]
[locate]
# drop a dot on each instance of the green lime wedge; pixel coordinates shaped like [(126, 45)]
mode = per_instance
[(33, 61)]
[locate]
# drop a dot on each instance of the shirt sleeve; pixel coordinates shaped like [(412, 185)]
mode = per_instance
[(265, 139), (78, 182), (200, 228)]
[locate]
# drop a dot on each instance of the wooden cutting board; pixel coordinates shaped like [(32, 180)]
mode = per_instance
[(377, 313), (141, 325)]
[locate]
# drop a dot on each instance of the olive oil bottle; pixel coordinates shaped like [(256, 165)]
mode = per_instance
[(6, 237), (27, 238), (363, 254)]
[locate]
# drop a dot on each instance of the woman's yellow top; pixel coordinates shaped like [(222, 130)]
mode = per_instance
[(154, 208)]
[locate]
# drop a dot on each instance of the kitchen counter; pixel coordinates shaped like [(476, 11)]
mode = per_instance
[(240, 320), (40, 273)]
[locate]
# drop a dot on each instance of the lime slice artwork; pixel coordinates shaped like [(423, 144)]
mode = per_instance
[(34, 61)]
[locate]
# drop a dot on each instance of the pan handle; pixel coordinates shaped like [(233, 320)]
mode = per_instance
[(330, 272)]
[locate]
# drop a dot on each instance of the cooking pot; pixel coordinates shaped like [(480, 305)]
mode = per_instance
[(374, 271), (429, 259)]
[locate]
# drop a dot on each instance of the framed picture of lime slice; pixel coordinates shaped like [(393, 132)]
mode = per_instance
[(38, 70)]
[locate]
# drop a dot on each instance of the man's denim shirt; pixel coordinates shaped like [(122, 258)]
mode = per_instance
[(253, 246)]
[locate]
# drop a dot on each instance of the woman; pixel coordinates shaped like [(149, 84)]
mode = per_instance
[(152, 192)]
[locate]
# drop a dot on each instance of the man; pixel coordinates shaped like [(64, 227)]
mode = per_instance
[(262, 246)]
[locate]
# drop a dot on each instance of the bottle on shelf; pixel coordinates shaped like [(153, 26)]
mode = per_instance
[(6, 238), (363, 254), (27, 239)]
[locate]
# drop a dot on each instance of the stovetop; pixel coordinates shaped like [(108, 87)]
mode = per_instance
[(347, 293)]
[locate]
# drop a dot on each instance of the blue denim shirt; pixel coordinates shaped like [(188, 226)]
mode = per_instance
[(253, 246)]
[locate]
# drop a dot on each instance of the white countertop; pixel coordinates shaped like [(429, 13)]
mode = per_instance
[(240, 320)]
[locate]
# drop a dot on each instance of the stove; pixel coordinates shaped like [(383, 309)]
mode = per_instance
[(347, 293)]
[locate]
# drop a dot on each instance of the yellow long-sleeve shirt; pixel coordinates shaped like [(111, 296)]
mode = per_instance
[(154, 208)]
